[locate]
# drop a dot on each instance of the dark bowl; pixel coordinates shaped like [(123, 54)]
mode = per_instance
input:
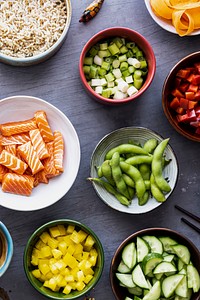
[(38, 285), (118, 290), (130, 35), (169, 83)]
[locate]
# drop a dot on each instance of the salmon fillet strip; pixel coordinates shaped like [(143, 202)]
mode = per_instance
[(17, 184), (8, 129), (30, 156), (38, 143), (11, 149), (16, 139), (12, 162), (43, 125), (3, 171), (49, 166), (58, 150)]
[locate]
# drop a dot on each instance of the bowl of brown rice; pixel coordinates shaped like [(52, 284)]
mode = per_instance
[(31, 31)]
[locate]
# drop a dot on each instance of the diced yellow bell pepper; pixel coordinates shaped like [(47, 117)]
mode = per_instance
[(81, 235), (70, 260), (80, 285), (68, 240), (39, 244), (88, 278), (53, 284), (67, 289), (62, 229), (53, 243), (80, 276), (78, 249), (44, 268), (54, 231), (36, 273), (69, 278), (46, 251), (34, 260), (62, 246), (65, 271), (49, 275), (57, 253), (74, 237), (74, 272), (44, 237), (85, 255), (60, 264), (89, 243), (70, 229)]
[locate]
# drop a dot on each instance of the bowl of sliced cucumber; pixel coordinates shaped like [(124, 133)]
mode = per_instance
[(117, 65), (156, 263)]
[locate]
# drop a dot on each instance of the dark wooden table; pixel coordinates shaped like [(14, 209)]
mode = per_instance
[(57, 81)]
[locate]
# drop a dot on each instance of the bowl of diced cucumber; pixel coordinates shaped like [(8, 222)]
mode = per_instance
[(63, 259), (117, 65), (156, 263)]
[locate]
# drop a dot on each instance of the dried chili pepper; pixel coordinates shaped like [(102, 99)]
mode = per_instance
[(91, 11)]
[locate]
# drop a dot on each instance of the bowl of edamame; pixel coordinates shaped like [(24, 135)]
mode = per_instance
[(117, 65), (134, 169), (154, 262)]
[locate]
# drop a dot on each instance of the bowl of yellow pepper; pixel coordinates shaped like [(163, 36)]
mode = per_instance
[(63, 259)]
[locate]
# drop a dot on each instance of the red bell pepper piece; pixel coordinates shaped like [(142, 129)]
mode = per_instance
[(197, 96), (180, 110), (192, 88), (177, 93), (183, 87), (196, 79), (189, 95), (183, 73), (184, 103), (192, 104), (174, 104)]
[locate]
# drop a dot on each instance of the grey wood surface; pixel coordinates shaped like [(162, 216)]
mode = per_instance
[(57, 81)]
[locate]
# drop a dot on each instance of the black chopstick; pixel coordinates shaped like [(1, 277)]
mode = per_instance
[(191, 225), (194, 217)]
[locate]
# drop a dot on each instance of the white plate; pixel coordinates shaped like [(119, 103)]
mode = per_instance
[(124, 135), (18, 108), (165, 24)]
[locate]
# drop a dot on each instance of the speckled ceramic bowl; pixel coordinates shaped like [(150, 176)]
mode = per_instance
[(6, 248), (28, 61), (124, 135), (97, 269), (119, 291)]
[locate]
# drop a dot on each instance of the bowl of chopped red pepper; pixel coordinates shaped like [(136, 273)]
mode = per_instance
[(181, 96)]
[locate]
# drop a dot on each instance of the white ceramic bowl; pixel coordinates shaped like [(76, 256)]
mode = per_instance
[(124, 135), (6, 253), (36, 59), (164, 23), (18, 108)]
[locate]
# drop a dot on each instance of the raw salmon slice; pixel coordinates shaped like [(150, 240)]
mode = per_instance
[(40, 177), (30, 156), (17, 184), (43, 125), (38, 143), (11, 149), (3, 171), (12, 162), (58, 151), (8, 129), (49, 166), (16, 139)]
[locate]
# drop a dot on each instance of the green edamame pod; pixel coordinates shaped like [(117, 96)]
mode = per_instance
[(150, 145), (125, 148), (107, 172), (157, 166), (110, 189), (117, 175), (131, 192), (99, 172), (147, 184), (139, 159), (144, 199), (155, 191), (128, 180), (145, 170), (135, 174)]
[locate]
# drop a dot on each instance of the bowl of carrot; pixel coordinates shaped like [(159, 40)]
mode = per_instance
[(35, 137)]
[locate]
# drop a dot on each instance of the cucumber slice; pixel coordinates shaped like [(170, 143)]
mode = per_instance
[(136, 291), (168, 257), (182, 252), (193, 279), (136, 298), (167, 242), (182, 288), (129, 255), (184, 298), (170, 283), (122, 268), (125, 279), (142, 249), (154, 292), (150, 261), (154, 243), (180, 264), (164, 267), (128, 298), (139, 278)]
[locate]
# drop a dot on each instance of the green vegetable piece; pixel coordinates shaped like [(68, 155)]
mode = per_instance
[(150, 145), (157, 166), (117, 175), (156, 192), (129, 181), (107, 172), (134, 173), (110, 189), (139, 159), (88, 61), (105, 65), (123, 66), (125, 148), (113, 48), (93, 72), (144, 199), (94, 50), (145, 170), (138, 83)]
